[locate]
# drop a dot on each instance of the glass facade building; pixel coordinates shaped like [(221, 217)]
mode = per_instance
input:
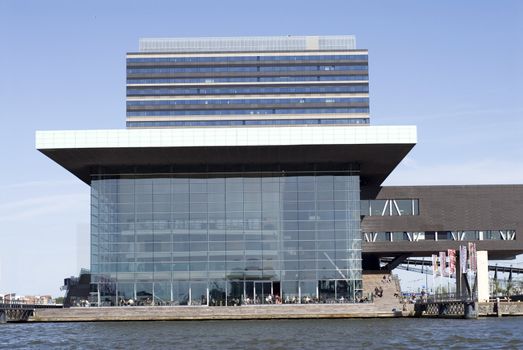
[(238, 236), (226, 239), (239, 175)]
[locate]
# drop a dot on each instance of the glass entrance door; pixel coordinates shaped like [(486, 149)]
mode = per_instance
[(263, 292)]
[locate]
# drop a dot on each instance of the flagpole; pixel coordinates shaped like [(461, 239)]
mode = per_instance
[(426, 278)]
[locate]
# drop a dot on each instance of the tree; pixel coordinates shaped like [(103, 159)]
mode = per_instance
[(496, 288), (510, 287)]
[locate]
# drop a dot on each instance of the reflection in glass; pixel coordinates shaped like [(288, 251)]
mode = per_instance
[(211, 239)]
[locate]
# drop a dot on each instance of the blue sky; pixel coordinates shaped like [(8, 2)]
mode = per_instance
[(452, 68)]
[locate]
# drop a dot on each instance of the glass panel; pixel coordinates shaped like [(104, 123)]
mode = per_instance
[(365, 207), (162, 293), (198, 293), (327, 290), (234, 293), (430, 236), (493, 235), (217, 293), (144, 294), (308, 291), (377, 207), (403, 205), (382, 236), (180, 292), (107, 293), (263, 292), (343, 292), (445, 235), (470, 235), (290, 292), (125, 294), (399, 236)]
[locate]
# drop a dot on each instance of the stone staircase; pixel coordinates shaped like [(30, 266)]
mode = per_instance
[(390, 286)]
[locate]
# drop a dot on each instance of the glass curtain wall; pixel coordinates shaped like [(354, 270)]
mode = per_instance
[(215, 239)]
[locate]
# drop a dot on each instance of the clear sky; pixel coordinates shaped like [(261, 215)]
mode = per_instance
[(453, 68)]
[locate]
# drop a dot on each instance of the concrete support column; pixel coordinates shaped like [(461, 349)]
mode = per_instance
[(98, 301), (482, 276), (3, 316), (470, 310)]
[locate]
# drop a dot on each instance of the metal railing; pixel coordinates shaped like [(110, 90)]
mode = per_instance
[(449, 297), (24, 305)]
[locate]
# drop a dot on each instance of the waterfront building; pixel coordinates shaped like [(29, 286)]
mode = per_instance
[(249, 173)]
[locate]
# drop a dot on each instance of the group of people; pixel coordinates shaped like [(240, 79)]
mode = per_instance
[(378, 291), (276, 299), (136, 302), (269, 299), (362, 299)]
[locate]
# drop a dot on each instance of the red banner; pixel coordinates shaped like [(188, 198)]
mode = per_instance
[(452, 261), (472, 256)]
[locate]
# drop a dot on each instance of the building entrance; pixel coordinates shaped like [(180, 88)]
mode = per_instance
[(252, 292), (261, 292)]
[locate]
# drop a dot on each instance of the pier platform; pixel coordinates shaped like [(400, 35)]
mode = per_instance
[(256, 312), (250, 312)]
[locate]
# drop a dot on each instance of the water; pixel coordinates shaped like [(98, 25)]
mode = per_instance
[(491, 333)]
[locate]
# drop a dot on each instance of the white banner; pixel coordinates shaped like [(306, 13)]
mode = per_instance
[(435, 268), (463, 258), (443, 263)]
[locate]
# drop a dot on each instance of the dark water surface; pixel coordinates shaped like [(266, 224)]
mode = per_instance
[(491, 333)]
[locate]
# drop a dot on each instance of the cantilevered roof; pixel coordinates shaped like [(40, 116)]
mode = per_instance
[(378, 149)]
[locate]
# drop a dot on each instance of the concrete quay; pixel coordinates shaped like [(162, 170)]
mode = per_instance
[(500, 309), (179, 313), (457, 309)]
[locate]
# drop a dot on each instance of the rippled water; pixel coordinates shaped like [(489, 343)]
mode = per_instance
[(491, 333)]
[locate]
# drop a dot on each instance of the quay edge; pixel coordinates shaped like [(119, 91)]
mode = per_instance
[(185, 313)]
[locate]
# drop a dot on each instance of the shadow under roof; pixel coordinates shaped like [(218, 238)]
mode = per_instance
[(376, 149)]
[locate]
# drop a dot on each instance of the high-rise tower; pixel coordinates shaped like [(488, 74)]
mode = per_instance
[(289, 80)]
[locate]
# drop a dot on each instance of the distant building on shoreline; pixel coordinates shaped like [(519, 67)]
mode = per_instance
[(27, 299)]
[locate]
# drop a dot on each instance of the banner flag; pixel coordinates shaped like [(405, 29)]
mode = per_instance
[(443, 263), (463, 258), (452, 261), (435, 268), (473, 256)]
